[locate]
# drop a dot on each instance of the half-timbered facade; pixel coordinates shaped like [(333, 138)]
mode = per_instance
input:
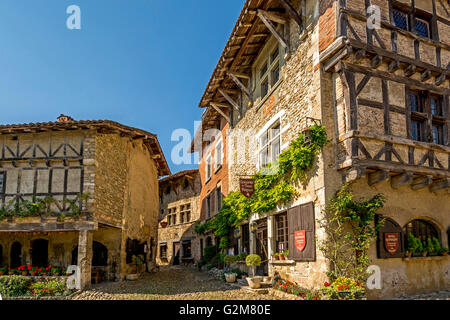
[(179, 211), (79, 193), (382, 92)]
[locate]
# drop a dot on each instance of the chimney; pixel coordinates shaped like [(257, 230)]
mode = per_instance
[(64, 118)]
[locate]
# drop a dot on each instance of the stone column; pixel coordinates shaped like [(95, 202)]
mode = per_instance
[(85, 257)]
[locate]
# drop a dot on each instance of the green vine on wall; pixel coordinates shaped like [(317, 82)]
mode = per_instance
[(350, 228), (273, 185), (40, 207)]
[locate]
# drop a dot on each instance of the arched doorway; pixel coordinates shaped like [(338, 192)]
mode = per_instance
[(39, 253), (99, 255), (16, 255)]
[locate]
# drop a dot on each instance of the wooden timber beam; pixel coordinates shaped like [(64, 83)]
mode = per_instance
[(230, 100), (439, 185), (239, 84), (292, 13), (393, 66), (425, 75), (215, 106), (376, 61), (401, 180), (240, 75), (440, 79), (266, 20), (377, 177), (421, 182), (410, 70), (272, 16)]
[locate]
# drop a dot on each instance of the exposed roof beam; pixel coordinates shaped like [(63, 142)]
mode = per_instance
[(240, 75), (217, 108), (239, 84), (272, 16), (266, 20), (292, 13), (230, 100)]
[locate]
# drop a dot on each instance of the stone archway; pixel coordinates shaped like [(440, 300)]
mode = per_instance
[(99, 254), (16, 255), (39, 253)]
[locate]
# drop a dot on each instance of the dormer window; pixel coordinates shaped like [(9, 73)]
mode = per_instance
[(268, 68)]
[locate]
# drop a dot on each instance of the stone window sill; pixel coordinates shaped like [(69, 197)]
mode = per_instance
[(425, 258), (282, 262)]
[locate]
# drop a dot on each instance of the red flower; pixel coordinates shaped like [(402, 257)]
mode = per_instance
[(326, 284)]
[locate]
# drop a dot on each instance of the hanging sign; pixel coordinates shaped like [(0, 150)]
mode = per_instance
[(247, 187), (391, 242), (163, 224), (300, 240)]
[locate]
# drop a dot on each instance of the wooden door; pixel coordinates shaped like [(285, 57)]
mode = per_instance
[(262, 247), (176, 253)]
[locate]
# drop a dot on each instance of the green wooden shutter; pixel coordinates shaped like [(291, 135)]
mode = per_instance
[(302, 218)]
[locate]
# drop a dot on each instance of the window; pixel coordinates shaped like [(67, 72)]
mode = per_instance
[(208, 168), (187, 249), (2, 182), (185, 213), (219, 198), (218, 154), (425, 106), (282, 236), (163, 251), (421, 229), (172, 216), (270, 145), (269, 72), (403, 20), (208, 206)]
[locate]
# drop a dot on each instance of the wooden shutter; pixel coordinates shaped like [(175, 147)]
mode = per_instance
[(302, 218), (203, 209), (390, 227), (213, 202)]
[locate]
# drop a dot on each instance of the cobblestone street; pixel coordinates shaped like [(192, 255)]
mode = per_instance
[(175, 283), (178, 283)]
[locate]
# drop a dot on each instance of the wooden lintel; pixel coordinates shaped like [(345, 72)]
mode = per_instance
[(240, 75), (214, 105), (401, 180), (292, 13), (272, 16), (377, 177), (439, 185), (272, 28), (229, 99), (239, 84), (422, 182)]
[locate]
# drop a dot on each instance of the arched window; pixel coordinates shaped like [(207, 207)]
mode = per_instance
[(421, 229), (99, 255)]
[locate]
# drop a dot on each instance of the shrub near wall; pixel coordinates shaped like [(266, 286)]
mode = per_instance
[(21, 286)]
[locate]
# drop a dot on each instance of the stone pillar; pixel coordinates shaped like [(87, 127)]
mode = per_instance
[(85, 257)]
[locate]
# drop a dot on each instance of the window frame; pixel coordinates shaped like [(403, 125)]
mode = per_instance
[(270, 139), (412, 18), (218, 146), (208, 167), (281, 231), (161, 246), (185, 213)]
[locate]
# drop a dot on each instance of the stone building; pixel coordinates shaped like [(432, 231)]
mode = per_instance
[(96, 183), (383, 95), (179, 203)]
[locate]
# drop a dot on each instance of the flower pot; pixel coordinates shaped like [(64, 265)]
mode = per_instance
[(230, 277), (424, 254), (254, 283), (25, 273), (11, 273), (444, 254), (282, 258), (267, 279), (2, 273), (409, 254)]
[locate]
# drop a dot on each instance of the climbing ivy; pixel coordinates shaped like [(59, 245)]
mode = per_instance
[(350, 228), (273, 185)]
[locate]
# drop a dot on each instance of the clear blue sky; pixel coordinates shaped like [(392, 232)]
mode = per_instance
[(144, 63)]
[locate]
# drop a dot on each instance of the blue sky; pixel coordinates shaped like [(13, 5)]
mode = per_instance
[(144, 63)]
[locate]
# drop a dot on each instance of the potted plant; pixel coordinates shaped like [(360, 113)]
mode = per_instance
[(3, 270), (11, 272), (418, 247), (437, 246), (230, 277), (253, 261), (229, 260), (275, 256), (286, 255), (23, 270), (443, 252), (411, 245), (430, 247)]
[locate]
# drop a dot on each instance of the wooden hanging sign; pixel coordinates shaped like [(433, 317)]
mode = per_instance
[(300, 240), (392, 242), (247, 187)]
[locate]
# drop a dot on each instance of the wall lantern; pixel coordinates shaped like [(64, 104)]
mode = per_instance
[(253, 227), (237, 233)]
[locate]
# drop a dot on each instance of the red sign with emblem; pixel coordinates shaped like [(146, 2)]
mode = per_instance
[(247, 187), (163, 224), (300, 240), (391, 242)]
